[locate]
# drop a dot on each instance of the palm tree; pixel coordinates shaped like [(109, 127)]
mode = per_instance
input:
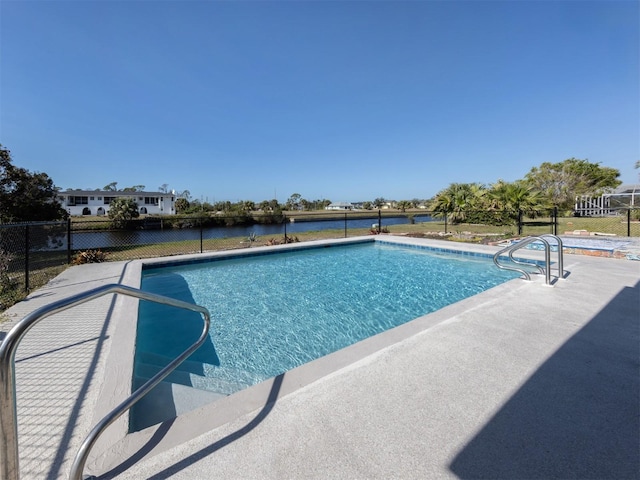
[(459, 200), (248, 205), (513, 198)]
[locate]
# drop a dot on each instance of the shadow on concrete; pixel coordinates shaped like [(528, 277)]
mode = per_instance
[(199, 455), (67, 434), (578, 416), (48, 352)]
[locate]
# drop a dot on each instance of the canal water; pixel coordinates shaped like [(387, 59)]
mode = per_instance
[(104, 239)]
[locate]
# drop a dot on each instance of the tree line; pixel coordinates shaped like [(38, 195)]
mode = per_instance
[(551, 185), (27, 196)]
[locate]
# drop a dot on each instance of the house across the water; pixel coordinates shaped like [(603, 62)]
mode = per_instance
[(339, 206), (90, 202)]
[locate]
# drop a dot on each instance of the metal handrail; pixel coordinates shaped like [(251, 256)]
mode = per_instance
[(9, 458), (510, 249), (560, 253)]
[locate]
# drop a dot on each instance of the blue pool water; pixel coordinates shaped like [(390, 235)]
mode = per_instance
[(272, 313)]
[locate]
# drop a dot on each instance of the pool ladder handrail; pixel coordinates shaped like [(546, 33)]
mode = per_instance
[(547, 256), (9, 457)]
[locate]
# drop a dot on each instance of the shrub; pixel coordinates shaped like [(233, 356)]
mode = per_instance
[(122, 211), (89, 256), (277, 241)]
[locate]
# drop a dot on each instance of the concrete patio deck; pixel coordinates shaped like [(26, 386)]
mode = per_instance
[(522, 381)]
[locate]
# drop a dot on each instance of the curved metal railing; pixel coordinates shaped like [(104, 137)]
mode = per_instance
[(509, 249), (9, 457), (560, 253)]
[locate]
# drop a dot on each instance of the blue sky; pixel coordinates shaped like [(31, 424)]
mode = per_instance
[(341, 100)]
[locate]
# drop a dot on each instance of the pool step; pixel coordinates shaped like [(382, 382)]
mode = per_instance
[(217, 384), (152, 358), (166, 401), (235, 378)]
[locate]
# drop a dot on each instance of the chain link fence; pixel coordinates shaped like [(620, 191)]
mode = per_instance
[(621, 222), (31, 254), (156, 236)]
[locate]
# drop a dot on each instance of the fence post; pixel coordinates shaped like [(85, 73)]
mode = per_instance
[(379, 221), (519, 222), (26, 258), (555, 220), (201, 250), (69, 240), (628, 222), (285, 227), (445, 223), (345, 224)]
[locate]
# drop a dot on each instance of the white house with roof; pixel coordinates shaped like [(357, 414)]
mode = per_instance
[(96, 202), (339, 206)]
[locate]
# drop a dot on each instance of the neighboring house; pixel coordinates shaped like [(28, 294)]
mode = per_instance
[(339, 206), (89, 202)]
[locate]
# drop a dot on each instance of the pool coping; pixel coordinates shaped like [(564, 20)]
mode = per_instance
[(107, 454)]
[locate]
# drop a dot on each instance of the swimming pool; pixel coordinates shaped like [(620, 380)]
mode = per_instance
[(272, 313)]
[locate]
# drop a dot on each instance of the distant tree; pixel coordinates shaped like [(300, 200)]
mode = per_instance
[(274, 205), (122, 210), (112, 187), (182, 205), (293, 203), (195, 206), (186, 194), (379, 202), (560, 183), (367, 205), (26, 196), (264, 206), (402, 205), (135, 188), (164, 188), (222, 206), (248, 206)]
